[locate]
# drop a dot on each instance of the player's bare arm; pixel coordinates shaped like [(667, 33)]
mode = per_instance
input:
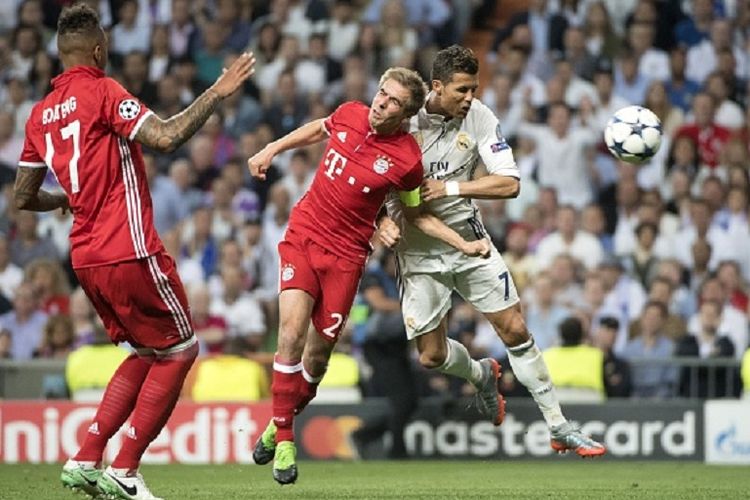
[(167, 135), (309, 133), (489, 187), (433, 226), (29, 196)]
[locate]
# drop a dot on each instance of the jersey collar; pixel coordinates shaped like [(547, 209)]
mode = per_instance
[(432, 119), (75, 72)]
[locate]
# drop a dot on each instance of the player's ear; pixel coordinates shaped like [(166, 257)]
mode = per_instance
[(437, 87)]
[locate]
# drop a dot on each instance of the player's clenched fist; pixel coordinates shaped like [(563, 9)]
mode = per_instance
[(478, 248), (389, 233), (432, 189), (232, 78), (260, 163)]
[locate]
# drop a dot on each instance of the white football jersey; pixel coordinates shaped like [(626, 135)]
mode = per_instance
[(451, 150)]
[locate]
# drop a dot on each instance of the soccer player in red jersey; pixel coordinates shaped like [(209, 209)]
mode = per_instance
[(84, 130), (369, 153)]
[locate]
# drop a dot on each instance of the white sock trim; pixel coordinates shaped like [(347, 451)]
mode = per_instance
[(280, 367), (310, 379)]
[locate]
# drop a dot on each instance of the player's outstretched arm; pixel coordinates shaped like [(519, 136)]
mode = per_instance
[(489, 187), (307, 134), (28, 195), (167, 135), (433, 226)]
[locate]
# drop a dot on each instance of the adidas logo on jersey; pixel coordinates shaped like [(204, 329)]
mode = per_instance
[(341, 136)]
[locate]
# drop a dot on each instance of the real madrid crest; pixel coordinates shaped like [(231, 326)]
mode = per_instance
[(381, 164), (463, 142)]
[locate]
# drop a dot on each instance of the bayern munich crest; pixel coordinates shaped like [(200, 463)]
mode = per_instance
[(287, 272), (381, 165)]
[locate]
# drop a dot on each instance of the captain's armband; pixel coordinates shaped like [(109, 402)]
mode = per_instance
[(410, 198)]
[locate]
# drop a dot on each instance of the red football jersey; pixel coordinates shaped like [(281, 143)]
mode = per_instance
[(358, 169), (83, 130)]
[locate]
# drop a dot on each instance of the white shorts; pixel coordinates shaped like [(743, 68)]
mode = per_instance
[(427, 282)]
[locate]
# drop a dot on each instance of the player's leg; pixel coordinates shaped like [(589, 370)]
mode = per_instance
[(82, 471), (426, 291)]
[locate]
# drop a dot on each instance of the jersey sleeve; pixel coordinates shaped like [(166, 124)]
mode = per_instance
[(30, 155), (331, 123), (123, 113), (493, 148), (413, 178)]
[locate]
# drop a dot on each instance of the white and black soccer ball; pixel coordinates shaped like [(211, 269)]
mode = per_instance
[(633, 134)]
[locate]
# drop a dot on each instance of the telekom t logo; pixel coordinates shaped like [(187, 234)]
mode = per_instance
[(335, 163)]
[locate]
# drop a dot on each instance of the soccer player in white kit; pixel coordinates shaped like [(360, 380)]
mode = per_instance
[(455, 131)]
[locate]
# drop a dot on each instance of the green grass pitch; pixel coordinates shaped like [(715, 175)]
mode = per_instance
[(567, 478)]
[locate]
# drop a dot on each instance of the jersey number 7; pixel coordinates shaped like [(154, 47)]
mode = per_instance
[(71, 130)]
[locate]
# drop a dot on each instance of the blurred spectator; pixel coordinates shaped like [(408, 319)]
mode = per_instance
[(26, 42), (225, 219), (300, 175), (709, 136), (89, 368), (642, 262), (343, 30), (601, 36), (202, 159), (576, 369), (608, 100), (729, 114), (11, 144), (569, 239), (543, 314), (680, 88), (134, 77), (210, 51), (708, 342), (211, 330), (83, 317), (661, 290), (275, 221), (19, 103), (630, 83), (498, 98), (657, 100), (616, 370), (50, 284), (521, 263), (245, 203), (183, 177), (702, 58), (560, 152), (240, 310), (25, 323), (27, 245), (730, 277), (159, 56), (198, 241), (230, 377), (55, 227), (651, 380), (651, 61), (387, 355), (58, 338), (168, 205), (733, 323), (695, 27), (5, 345), (181, 28), (624, 294), (230, 15), (10, 274), (288, 109), (128, 35)]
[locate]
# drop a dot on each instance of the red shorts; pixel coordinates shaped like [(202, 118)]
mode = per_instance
[(331, 280), (140, 301)]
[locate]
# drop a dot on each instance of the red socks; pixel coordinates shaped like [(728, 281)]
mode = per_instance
[(115, 408), (156, 400), (284, 389)]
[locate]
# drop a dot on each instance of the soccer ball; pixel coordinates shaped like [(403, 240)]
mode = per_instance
[(633, 134)]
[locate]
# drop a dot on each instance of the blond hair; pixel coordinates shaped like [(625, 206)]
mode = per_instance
[(412, 82)]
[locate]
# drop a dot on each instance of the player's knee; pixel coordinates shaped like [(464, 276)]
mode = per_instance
[(432, 358), (512, 329)]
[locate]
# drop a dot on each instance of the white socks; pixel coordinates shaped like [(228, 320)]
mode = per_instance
[(530, 369), (458, 362)]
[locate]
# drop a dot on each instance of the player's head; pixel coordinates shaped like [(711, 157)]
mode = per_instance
[(400, 95), (80, 38), (454, 80)]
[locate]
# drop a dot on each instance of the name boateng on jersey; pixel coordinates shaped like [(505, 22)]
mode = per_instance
[(83, 131)]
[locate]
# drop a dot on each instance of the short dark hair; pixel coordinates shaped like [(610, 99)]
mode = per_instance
[(78, 19), (610, 322), (571, 331), (454, 59)]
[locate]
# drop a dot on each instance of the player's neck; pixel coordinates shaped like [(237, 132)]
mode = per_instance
[(434, 107)]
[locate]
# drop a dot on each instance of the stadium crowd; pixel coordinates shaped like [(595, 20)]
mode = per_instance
[(613, 261)]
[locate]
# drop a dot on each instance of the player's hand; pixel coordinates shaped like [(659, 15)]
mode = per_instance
[(389, 233), (478, 248), (260, 163), (432, 189), (232, 78)]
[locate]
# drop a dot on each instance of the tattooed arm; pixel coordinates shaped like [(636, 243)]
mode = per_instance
[(28, 196), (168, 135)]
